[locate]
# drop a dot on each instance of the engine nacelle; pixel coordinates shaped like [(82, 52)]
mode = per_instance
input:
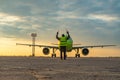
[(46, 51), (85, 51)]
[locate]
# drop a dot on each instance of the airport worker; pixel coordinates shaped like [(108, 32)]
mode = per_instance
[(63, 43)]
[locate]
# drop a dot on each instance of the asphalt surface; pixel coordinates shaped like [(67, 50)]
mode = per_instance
[(39, 68)]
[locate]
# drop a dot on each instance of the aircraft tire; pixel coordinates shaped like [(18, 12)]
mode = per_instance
[(53, 55), (77, 55)]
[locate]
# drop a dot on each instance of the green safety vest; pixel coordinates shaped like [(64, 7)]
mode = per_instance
[(63, 41)]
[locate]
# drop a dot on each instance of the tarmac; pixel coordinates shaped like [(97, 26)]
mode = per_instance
[(40, 68)]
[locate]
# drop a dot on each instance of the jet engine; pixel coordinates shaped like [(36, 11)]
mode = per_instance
[(46, 51), (85, 51)]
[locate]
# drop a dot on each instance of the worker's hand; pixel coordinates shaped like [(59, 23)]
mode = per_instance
[(67, 32), (57, 32)]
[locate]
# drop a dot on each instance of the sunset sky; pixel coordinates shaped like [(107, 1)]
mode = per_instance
[(90, 22)]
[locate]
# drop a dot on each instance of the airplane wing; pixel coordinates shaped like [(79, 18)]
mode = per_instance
[(80, 47), (55, 47), (75, 47)]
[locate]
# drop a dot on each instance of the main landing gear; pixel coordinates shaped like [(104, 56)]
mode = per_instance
[(53, 54), (77, 55)]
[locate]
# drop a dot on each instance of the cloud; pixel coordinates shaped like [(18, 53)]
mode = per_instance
[(82, 17), (104, 17), (6, 19)]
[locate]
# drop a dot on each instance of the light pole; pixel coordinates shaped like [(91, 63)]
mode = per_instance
[(33, 35)]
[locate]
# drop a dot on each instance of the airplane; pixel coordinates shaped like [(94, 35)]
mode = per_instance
[(70, 47)]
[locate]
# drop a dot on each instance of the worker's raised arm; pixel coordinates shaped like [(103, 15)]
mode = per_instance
[(57, 36), (68, 35)]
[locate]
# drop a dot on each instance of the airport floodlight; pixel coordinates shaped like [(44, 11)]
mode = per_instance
[(34, 35)]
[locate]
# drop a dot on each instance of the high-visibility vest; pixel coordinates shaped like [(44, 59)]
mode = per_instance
[(63, 41)]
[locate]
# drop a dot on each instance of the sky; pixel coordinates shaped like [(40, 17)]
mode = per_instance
[(90, 22)]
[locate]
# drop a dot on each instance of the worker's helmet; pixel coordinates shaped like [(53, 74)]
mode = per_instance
[(63, 35)]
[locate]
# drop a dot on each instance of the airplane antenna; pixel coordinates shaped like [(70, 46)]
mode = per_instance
[(33, 35)]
